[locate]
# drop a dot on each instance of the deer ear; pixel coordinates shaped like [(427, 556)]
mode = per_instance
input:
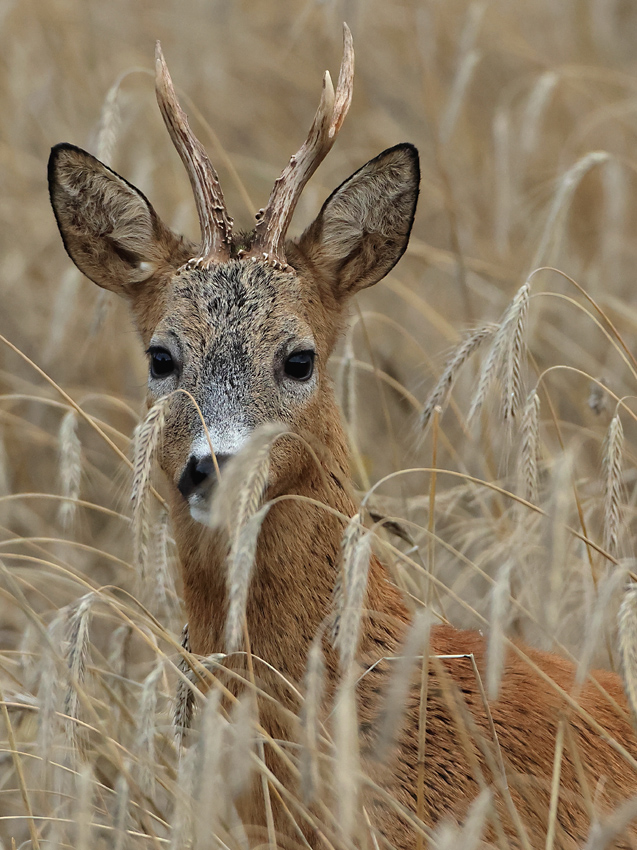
[(364, 226), (109, 229)]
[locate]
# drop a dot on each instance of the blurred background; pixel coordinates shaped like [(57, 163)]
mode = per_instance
[(525, 116)]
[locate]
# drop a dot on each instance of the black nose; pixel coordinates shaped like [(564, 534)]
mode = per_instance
[(199, 474)]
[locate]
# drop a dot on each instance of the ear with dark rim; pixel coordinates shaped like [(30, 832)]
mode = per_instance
[(363, 228), (109, 229)]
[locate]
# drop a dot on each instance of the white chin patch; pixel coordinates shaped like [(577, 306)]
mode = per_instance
[(200, 511)]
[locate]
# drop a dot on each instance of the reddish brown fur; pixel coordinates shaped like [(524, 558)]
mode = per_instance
[(302, 570), (353, 243)]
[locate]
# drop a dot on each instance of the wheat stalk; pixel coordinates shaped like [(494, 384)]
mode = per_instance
[(616, 214), (503, 184), (351, 406), (535, 107), (61, 312), (468, 58)]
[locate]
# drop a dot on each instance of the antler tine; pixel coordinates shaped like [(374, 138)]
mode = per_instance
[(273, 222), (214, 221)]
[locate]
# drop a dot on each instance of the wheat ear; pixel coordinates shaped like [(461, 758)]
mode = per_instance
[(347, 767), (240, 565), (165, 595), (530, 448), (504, 360), (122, 797), (76, 657), (49, 697), (469, 835), (184, 697), (613, 484), (237, 507), (627, 626), (146, 727), (5, 488), (500, 610), (598, 396), (147, 436), (356, 550), (211, 798), (70, 468), (401, 682), (108, 124), (310, 714), (243, 745), (182, 815), (468, 346), (597, 624), (83, 807)]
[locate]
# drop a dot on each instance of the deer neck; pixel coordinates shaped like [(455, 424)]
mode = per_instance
[(297, 564)]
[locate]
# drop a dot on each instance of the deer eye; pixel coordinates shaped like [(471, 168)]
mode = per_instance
[(300, 365), (161, 363)]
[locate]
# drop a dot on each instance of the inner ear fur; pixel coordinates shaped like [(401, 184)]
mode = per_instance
[(109, 229), (363, 228)]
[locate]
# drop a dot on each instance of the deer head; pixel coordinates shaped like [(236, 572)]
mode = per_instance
[(244, 324)]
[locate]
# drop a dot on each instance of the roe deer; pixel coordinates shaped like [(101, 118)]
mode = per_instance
[(245, 324)]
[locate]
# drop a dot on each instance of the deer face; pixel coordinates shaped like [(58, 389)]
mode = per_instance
[(241, 335), (240, 341)]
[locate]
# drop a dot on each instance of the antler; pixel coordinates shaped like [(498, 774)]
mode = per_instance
[(214, 221), (274, 220)]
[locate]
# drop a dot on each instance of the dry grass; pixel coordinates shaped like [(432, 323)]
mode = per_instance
[(524, 116)]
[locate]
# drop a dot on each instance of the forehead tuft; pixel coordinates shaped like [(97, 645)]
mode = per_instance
[(238, 296), (224, 290)]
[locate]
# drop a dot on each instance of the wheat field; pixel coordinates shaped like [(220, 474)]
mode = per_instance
[(500, 352)]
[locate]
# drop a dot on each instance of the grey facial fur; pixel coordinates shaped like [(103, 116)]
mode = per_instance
[(229, 339)]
